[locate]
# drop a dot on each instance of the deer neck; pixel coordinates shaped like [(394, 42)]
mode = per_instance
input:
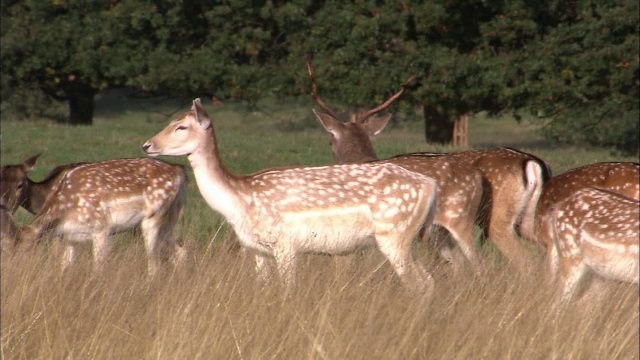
[(216, 184), (355, 153), (36, 193)]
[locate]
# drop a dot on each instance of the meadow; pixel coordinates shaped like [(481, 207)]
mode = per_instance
[(350, 307)]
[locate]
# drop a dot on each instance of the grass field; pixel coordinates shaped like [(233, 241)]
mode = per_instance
[(348, 307)]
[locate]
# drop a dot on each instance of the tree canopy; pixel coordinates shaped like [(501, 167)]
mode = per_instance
[(573, 65)]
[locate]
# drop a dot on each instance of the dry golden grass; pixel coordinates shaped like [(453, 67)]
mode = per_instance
[(349, 307)]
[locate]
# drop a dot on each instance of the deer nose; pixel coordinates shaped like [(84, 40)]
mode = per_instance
[(146, 146)]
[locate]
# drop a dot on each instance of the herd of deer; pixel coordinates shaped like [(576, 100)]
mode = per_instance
[(587, 219)]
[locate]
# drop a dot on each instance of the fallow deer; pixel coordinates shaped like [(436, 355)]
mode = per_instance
[(594, 230), (512, 179), (20, 190), (619, 177), (279, 213), (95, 200)]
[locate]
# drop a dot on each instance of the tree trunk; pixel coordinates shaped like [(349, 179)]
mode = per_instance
[(461, 131), (438, 125), (81, 105)]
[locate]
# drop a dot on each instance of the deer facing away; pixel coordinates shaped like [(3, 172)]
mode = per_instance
[(282, 212), (512, 179), (93, 201), (593, 230), (619, 177)]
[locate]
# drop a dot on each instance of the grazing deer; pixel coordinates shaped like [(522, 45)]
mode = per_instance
[(512, 179), (93, 201), (282, 212), (597, 230), (30, 194), (619, 177)]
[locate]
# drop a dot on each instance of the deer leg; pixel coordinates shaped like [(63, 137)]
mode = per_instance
[(101, 249), (502, 232), (150, 229), (410, 272), (464, 237), (68, 257), (552, 263), (264, 267), (167, 241), (572, 270), (286, 264), (441, 242)]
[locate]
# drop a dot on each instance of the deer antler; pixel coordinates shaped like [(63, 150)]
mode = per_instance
[(387, 103), (314, 88)]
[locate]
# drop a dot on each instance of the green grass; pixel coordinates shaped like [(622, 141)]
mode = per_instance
[(344, 307)]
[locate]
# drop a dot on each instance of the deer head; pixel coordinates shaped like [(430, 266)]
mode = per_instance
[(183, 135), (350, 141), (13, 181)]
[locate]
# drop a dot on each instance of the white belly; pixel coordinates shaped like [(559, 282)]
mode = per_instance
[(612, 261), (326, 231)]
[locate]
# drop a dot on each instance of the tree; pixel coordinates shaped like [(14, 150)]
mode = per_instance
[(591, 89), (71, 50), (574, 64)]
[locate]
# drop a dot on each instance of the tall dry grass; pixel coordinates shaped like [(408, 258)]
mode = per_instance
[(349, 307)]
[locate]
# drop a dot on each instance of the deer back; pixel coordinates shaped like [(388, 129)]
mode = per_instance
[(460, 187), (598, 228), (111, 195), (619, 177), (336, 206)]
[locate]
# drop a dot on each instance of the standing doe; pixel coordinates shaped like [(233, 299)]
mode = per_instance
[(512, 179), (93, 201), (597, 230), (281, 212)]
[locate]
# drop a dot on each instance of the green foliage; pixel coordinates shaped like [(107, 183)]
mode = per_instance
[(570, 63), (579, 73)]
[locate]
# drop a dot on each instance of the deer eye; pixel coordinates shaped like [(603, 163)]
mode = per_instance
[(181, 127)]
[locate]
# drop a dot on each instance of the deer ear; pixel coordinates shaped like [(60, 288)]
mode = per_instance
[(329, 122), (376, 124), (201, 114), (30, 163)]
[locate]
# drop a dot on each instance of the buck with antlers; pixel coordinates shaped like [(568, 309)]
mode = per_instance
[(596, 230), (618, 177), (93, 201), (512, 179), (281, 212)]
